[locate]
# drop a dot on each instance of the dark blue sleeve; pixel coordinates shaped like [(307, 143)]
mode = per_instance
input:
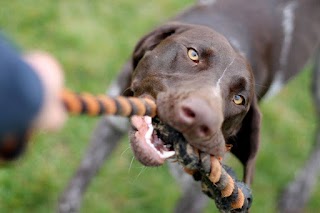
[(21, 92)]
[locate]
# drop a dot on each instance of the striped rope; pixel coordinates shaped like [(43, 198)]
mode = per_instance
[(218, 184), (225, 183), (88, 104), (222, 182), (217, 180)]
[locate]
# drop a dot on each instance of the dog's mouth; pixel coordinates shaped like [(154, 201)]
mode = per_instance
[(146, 142)]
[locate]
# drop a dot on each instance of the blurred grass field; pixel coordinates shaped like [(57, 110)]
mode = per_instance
[(92, 39)]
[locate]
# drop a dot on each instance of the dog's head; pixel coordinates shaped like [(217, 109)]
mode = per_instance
[(203, 88)]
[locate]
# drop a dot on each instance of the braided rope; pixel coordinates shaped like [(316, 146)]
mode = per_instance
[(223, 183), (88, 104), (216, 181)]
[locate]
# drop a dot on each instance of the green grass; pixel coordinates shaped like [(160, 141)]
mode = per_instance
[(92, 39)]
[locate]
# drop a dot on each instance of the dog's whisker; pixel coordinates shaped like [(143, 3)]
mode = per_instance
[(141, 171), (130, 166), (124, 151)]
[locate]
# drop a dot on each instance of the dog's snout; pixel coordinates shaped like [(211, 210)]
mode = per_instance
[(197, 115)]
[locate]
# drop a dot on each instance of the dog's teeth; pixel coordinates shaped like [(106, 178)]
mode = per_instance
[(167, 154), (149, 133), (163, 154), (148, 119), (148, 138), (168, 146)]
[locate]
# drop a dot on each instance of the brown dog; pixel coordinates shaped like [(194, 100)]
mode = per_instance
[(203, 88), (207, 70)]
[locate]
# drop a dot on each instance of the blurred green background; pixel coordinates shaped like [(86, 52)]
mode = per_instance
[(92, 39)]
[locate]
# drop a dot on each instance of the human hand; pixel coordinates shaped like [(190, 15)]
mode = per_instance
[(52, 114)]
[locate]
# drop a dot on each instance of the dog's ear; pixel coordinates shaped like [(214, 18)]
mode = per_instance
[(151, 40), (247, 140)]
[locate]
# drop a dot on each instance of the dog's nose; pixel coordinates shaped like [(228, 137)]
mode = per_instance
[(198, 118)]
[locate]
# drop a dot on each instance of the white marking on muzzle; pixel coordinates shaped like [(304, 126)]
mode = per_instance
[(217, 89), (222, 75)]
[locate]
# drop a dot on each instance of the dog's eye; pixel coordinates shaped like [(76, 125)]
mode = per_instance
[(238, 99), (193, 55)]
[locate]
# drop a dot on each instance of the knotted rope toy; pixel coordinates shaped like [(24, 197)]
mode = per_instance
[(218, 181)]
